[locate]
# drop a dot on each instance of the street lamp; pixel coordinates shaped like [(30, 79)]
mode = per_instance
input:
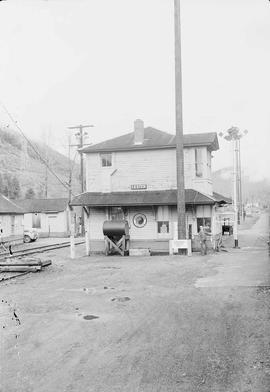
[(234, 134)]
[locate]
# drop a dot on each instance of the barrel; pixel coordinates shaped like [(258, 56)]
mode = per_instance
[(115, 228)]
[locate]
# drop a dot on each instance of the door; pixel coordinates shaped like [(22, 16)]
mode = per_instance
[(12, 224), (52, 224)]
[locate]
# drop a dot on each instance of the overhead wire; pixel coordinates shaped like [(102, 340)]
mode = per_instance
[(32, 146)]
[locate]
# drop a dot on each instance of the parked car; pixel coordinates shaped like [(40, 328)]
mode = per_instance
[(30, 235)]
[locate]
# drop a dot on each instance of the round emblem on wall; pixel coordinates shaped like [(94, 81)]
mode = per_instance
[(139, 220)]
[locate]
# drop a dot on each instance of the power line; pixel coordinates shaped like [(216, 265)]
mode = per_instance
[(32, 146), (80, 134)]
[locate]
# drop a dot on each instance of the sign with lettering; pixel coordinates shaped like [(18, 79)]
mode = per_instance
[(136, 187)]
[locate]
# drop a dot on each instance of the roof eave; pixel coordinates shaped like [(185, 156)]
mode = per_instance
[(11, 212), (214, 146), (189, 203)]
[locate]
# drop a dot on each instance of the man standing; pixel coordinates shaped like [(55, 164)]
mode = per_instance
[(203, 233)]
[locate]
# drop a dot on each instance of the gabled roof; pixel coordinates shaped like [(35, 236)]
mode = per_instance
[(140, 198), (154, 139), (8, 206), (42, 205), (222, 199)]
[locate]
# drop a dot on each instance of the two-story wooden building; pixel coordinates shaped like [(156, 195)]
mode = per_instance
[(133, 177)]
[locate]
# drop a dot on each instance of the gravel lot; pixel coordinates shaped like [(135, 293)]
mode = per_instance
[(140, 324)]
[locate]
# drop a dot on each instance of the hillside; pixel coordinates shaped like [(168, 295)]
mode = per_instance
[(252, 191), (19, 164)]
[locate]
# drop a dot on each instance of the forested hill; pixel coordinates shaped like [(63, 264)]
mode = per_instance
[(253, 191), (22, 171)]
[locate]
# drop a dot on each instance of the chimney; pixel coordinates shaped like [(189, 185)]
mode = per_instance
[(138, 132)]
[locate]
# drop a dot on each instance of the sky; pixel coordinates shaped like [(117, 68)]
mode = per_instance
[(106, 63)]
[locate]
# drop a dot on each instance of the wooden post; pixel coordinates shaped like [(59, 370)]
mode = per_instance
[(72, 233), (179, 126), (214, 226), (87, 232)]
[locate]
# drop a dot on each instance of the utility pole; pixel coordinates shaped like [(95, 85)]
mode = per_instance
[(181, 208), (46, 139), (234, 134), (46, 174), (235, 192), (80, 135), (70, 169), (240, 197)]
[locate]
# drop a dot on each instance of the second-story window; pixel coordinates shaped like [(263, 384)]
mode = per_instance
[(198, 162), (106, 159)]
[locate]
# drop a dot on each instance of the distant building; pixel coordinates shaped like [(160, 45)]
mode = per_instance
[(133, 177), (48, 216), (11, 220)]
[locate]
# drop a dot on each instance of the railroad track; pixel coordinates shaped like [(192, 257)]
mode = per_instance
[(37, 249)]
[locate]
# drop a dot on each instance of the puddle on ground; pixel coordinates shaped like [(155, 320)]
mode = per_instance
[(121, 299), (90, 317), (110, 267)]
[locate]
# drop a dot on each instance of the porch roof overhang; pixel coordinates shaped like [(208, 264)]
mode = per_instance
[(141, 198)]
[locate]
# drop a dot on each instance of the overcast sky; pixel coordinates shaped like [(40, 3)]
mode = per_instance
[(108, 62)]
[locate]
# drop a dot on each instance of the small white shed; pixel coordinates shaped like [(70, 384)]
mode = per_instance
[(48, 216)]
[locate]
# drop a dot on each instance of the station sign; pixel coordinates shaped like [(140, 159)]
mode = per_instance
[(136, 187)]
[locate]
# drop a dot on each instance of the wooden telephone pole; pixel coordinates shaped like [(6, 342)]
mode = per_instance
[(181, 208), (80, 134)]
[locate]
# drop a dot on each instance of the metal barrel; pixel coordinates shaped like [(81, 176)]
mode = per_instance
[(115, 228)]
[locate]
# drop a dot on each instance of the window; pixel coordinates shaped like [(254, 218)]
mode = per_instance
[(163, 227), (198, 162), (209, 163), (106, 160), (139, 220), (189, 232), (116, 213), (36, 221), (203, 222)]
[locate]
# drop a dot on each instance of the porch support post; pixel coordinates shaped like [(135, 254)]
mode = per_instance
[(87, 231), (214, 227), (72, 232), (214, 220)]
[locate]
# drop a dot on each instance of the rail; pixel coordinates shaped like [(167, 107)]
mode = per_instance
[(37, 249)]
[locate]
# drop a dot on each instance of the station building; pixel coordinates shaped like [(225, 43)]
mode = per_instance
[(133, 177)]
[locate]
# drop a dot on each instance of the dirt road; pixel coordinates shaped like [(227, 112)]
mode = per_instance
[(162, 323)]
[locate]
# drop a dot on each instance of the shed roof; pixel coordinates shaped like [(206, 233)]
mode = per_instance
[(154, 139), (140, 198), (8, 206), (221, 198), (43, 205)]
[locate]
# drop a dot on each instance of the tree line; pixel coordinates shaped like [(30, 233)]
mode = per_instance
[(11, 188)]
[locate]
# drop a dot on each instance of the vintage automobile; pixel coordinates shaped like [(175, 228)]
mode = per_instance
[(30, 234)]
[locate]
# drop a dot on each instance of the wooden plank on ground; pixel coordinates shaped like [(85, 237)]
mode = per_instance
[(20, 268), (45, 263), (20, 263)]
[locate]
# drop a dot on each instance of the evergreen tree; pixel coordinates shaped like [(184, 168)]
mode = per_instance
[(14, 188), (2, 184), (6, 186), (30, 193)]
